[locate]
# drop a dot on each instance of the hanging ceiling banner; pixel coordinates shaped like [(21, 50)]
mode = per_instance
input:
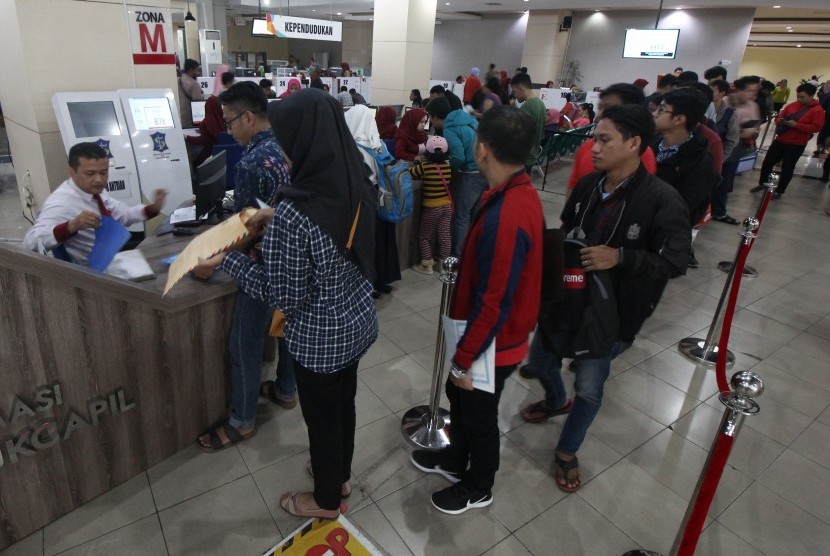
[(286, 27)]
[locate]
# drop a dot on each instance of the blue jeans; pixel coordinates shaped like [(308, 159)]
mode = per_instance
[(251, 320), (465, 197), (591, 375)]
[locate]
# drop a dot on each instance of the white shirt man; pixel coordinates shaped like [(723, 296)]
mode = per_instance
[(73, 211)]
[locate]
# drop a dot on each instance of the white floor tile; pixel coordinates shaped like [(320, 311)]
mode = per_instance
[(372, 523), (621, 426), (663, 403), (802, 481), (399, 383), (144, 538), (411, 332), (29, 546), (280, 434), (508, 547), (814, 443), (717, 539)]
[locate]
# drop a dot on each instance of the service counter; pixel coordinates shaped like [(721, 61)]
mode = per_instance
[(102, 377)]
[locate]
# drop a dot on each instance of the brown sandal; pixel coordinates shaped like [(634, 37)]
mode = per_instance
[(290, 503), (563, 467), (233, 434), (539, 413)]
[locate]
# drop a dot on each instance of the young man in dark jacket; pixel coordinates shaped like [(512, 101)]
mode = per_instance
[(794, 127), (683, 157), (497, 294), (637, 229)]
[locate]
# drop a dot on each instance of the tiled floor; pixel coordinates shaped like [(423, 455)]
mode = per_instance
[(640, 461)]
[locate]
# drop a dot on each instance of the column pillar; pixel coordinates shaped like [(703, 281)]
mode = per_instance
[(545, 45), (401, 48), (34, 37)]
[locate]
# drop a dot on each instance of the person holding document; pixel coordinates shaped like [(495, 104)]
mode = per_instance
[(497, 293), (70, 215)]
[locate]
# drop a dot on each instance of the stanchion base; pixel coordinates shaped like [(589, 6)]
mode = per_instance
[(416, 428), (749, 272), (693, 349)]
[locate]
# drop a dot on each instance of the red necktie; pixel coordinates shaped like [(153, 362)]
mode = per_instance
[(101, 206)]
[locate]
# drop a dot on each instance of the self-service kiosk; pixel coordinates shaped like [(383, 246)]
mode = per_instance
[(158, 143), (97, 117)]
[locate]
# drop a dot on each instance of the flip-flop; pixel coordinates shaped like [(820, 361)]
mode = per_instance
[(563, 467), (343, 495), (290, 503), (234, 437), (539, 413)]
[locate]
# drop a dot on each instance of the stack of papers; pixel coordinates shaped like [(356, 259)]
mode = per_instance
[(187, 214), (130, 265)]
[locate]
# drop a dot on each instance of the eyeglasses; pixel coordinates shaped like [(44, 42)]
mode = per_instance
[(661, 108), (232, 120)]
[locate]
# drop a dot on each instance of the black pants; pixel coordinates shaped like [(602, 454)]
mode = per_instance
[(327, 402), (788, 155), (474, 431)]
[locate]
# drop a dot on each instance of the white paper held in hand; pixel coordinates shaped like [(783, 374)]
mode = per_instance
[(484, 368)]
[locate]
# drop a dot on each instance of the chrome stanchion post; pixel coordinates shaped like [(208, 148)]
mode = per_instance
[(750, 272), (740, 402), (428, 426), (705, 350)]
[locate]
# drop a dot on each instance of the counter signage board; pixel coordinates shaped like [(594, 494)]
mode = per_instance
[(286, 27), (151, 35)]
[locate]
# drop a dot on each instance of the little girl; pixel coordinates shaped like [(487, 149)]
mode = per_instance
[(436, 203)]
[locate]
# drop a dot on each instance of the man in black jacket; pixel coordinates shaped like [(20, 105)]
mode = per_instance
[(683, 159), (637, 230)]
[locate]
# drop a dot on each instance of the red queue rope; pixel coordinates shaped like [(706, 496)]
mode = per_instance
[(723, 342), (762, 210), (720, 454)]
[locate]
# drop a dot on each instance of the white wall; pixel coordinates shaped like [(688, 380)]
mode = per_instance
[(460, 45), (706, 36)]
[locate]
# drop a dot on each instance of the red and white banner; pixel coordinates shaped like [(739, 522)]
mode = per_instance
[(151, 35)]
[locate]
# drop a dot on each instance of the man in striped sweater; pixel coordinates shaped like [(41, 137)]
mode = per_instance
[(497, 293)]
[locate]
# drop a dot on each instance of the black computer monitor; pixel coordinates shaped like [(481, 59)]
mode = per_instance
[(210, 185)]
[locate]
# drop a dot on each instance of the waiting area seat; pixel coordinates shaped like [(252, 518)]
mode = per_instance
[(562, 143)]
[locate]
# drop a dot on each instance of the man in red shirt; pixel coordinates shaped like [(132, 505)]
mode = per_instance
[(497, 293), (794, 127), (618, 93)]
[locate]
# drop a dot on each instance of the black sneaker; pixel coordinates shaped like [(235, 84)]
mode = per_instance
[(693, 262), (457, 499), (430, 461), (526, 371), (776, 196), (757, 188)]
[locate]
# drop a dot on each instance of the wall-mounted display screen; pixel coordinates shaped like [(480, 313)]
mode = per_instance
[(151, 113), (93, 119), (651, 43)]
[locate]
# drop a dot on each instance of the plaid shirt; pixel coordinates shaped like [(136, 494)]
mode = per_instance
[(606, 213), (260, 172), (330, 316)]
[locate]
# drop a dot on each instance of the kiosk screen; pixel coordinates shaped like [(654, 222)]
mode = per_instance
[(93, 119), (151, 113)]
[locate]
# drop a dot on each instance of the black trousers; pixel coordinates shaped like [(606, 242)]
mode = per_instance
[(788, 155), (474, 431), (327, 402)]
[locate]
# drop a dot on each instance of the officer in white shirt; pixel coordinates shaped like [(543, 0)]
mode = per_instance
[(73, 211)]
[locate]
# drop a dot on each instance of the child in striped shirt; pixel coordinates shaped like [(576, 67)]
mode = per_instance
[(436, 203)]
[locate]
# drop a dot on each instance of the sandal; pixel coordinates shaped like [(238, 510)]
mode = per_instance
[(345, 492), (539, 413), (233, 434), (266, 390), (563, 467), (290, 503)]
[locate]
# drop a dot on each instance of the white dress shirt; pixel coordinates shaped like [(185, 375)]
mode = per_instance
[(65, 203)]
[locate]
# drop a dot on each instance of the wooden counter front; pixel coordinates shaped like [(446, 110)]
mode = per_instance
[(150, 372)]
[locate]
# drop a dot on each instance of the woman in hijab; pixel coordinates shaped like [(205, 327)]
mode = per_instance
[(410, 139), (293, 86), (347, 71), (385, 119), (365, 132), (213, 123), (316, 268)]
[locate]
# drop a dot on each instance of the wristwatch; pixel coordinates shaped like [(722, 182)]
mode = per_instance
[(457, 372)]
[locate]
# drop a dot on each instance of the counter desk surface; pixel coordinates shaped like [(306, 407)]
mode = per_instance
[(102, 377)]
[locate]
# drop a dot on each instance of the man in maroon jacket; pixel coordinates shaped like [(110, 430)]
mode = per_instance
[(794, 127), (497, 293)]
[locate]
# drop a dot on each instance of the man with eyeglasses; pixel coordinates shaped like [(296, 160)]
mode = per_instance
[(261, 171), (683, 158)]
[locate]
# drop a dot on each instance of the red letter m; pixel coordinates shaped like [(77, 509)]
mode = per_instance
[(158, 37)]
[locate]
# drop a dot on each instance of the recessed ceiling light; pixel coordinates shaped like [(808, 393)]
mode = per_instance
[(678, 8), (447, 4), (313, 10), (789, 30), (798, 45), (776, 6), (339, 13)]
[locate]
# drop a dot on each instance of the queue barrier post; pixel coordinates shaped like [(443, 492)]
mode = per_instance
[(428, 426)]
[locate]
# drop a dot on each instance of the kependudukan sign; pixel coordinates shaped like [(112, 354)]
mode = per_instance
[(286, 27), (151, 35)]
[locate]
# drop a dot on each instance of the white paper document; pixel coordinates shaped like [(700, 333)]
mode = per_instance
[(484, 368), (186, 214)]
